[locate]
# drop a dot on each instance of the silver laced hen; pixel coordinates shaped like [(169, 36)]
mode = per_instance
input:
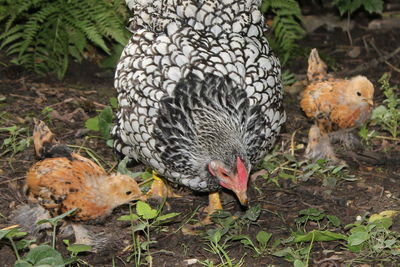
[(199, 91)]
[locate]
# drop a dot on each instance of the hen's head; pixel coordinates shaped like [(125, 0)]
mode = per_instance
[(120, 189), (233, 176), (359, 90)]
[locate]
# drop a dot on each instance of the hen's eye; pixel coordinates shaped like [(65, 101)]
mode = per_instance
[(128, 193), (358, 93), (224, 174)]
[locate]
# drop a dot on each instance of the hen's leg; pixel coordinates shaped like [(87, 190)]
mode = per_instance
[(320, 147), (159, 189), (214, 204)]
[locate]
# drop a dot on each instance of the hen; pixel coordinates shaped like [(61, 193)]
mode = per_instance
[(63, 180), (337, 106), (199, 91)]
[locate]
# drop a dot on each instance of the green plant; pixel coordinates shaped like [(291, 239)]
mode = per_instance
[(10, 233), (15, 142), (285, 25), (230, 229), (75, 249), (286, 166), (218, 246), (295, 248), (349, 6), (54, 222), (143, 223), (43, 35), (372, 238), (43, 255), (103, 122), (388, 114)]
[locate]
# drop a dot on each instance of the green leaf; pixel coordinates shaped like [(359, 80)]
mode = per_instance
[(318, 235), (12, 233), (22, 244), (373, 6), (78, 248), (105, 122), (167, 216), (357, 238), (311, 212), (145, 211), (139, 227), (215, 236), (253, 213), (92, 124), (286, 253), (385, 223), (22, 263), (44, 255), (263, 238), (334, 220), (56, 219), (130, 217), (114, 101), (299, 263)]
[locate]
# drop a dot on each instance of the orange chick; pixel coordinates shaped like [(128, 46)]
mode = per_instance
[(336, 105), (64, 180)]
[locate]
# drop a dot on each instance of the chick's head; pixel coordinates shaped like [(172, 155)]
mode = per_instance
[(359, 91), (120, 189)]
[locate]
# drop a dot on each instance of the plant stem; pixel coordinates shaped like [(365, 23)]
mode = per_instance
[(309, 250), (14, 248), (54, 235), (386, 137)]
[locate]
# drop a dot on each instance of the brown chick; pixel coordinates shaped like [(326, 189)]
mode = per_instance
[(64, 180), (336, 105)]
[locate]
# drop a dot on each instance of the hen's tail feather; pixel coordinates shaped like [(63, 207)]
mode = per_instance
[(46, 144), (317, 69)]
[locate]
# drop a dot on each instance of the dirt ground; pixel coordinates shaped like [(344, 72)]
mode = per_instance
[(87, 89)]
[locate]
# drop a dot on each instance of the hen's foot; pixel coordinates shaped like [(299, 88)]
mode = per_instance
[(159, 189), (213, 205)]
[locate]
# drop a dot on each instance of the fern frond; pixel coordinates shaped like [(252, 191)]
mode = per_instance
[(286, 26), (44, 34)]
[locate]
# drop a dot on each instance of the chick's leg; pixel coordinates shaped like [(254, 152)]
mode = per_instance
[(159, 189), (320, 147)]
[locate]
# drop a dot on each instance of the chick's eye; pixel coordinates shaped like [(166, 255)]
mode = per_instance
[(128, 193), (358, 93)]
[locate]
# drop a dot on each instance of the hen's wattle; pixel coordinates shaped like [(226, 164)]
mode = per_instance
[(199, 91)]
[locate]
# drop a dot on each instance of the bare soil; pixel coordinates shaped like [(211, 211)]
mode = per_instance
[(86, 89)]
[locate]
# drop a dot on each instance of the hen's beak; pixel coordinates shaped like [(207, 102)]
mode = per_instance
[(242, 196)]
